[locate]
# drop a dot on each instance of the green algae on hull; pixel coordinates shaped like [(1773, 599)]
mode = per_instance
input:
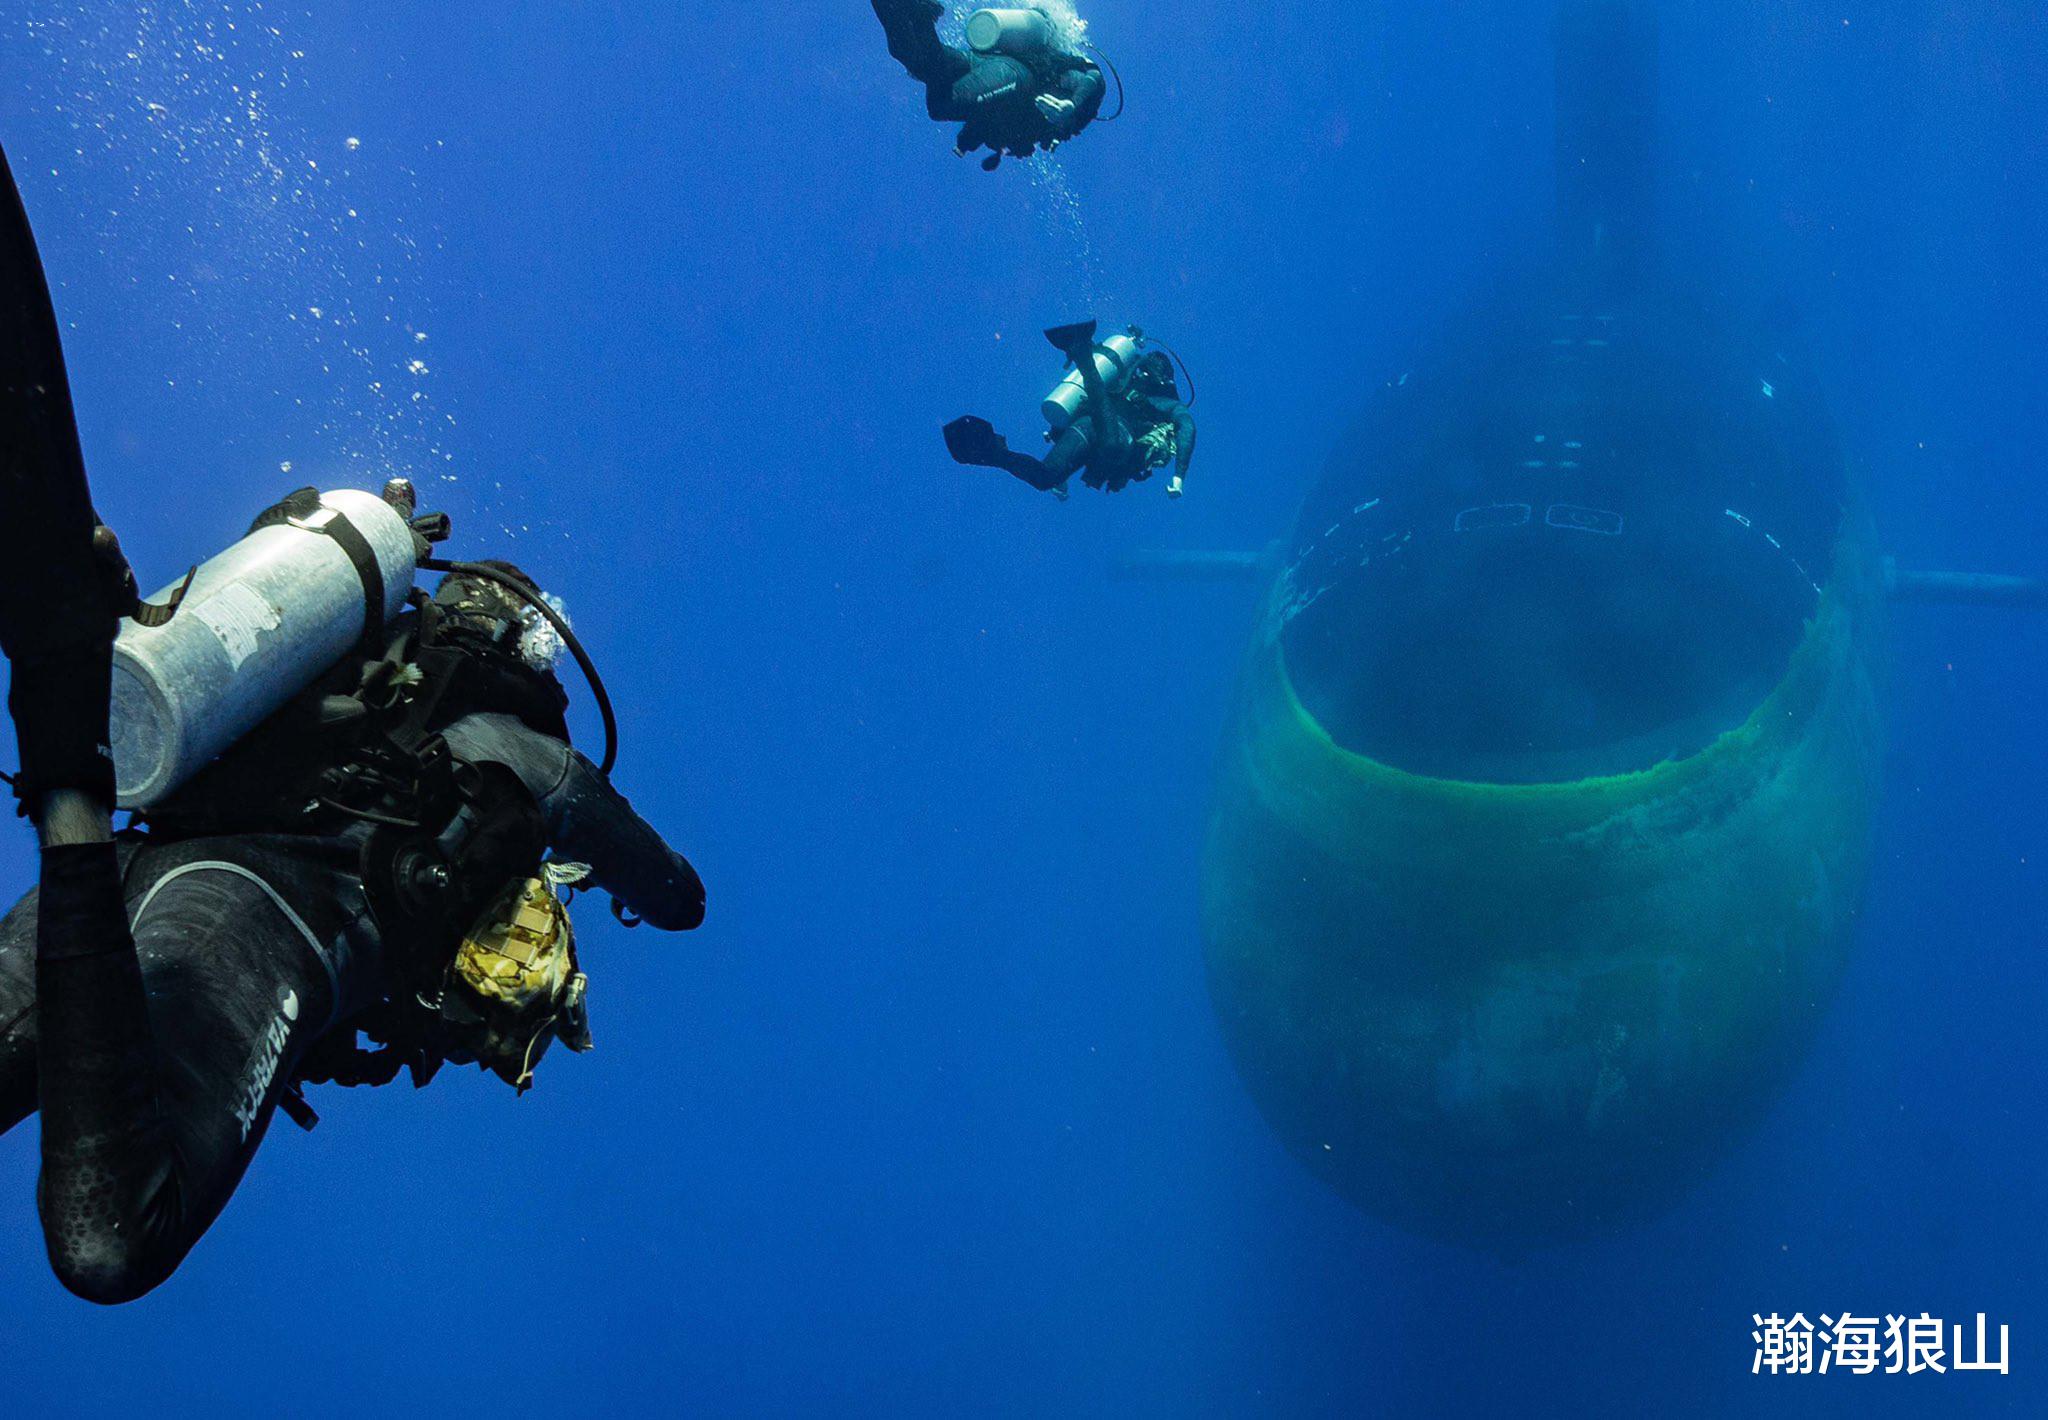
[(1501, 1013)]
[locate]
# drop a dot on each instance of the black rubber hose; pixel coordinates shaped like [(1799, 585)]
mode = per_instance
[(1120, 99), (1185, 373), (532, 597)]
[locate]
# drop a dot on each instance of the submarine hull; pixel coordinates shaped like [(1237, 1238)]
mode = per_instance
[(1542, 819), (1501, 1013)]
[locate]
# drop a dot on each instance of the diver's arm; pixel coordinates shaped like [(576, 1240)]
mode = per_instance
[(588, 821), (1071, 100), (1184, 440), (1083, 87)]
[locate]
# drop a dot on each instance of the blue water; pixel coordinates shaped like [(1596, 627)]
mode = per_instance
[(932, 1117)]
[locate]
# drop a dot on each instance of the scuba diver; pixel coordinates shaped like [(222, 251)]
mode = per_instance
[(1118, 415), (1012, 90), (384, 854)]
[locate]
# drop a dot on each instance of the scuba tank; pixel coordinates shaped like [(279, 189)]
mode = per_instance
[(258, 623), (1017, 32), (1114, 359)]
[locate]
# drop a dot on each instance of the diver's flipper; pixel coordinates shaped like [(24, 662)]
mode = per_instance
[(974, 440), (1069, 338), (43, 460), (52, 589)]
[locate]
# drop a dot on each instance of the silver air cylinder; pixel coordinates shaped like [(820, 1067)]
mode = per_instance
[(1009, 31), (1113, 357), (261, 621)]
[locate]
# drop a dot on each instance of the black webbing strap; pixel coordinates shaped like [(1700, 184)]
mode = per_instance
[(160, 613), (349, 538), (300, 509)]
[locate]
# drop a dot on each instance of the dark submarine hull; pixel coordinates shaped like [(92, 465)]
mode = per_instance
[(1542, 817)]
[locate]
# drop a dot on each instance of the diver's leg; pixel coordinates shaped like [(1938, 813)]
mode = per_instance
[(18, 1013), (1109, 438), (162, 1055), (974, 441), (912, 28), (1070, 450), (588, 821), (109, 1185), (1039, 473), (1108, 435)]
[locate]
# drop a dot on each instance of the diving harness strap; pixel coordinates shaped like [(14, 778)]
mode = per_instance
[(304, 510)]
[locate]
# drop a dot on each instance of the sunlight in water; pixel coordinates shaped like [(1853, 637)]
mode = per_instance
[(1066, 229), (1058, 205), (299, 262)]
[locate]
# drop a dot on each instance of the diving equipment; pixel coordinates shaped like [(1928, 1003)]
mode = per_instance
[(258, 623), (514, 984), (550, 613), (1114, 358), (972, 439), (1157, 447), (1017, 32)]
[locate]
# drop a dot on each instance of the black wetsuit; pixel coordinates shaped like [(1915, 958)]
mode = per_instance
[(158, 997), (248, 949), (1105, 441), (992, 96)]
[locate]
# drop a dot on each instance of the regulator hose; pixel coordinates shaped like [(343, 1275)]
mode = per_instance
[(1184, 371), (1111, 67), (530, 594)]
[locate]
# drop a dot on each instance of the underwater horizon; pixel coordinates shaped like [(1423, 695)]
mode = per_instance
[(937, 1114)]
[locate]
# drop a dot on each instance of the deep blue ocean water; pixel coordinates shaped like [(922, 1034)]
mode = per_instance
[(932, 1117)]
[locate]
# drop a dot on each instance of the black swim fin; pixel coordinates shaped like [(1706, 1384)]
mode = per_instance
[(970, 439), (52, 584), (1067, 339)]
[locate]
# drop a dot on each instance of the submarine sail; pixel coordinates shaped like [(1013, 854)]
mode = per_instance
[(1541, 822)]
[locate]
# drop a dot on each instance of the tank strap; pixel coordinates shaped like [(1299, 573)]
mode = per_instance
[(155, 614), (349, 538), (302, 509)]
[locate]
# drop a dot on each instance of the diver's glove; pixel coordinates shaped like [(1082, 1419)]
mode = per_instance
[(1057, 111), (1174, 487)]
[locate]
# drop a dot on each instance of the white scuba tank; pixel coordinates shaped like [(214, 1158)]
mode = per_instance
[(259, 623), (1113, 358), (1010, 31)]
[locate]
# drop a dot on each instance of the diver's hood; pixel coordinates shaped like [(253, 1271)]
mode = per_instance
[(483, 606), (499, 617), (1153, 376)]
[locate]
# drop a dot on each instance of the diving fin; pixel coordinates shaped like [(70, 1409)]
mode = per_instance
[(54, 593), (974, 440), (1069, 338)]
